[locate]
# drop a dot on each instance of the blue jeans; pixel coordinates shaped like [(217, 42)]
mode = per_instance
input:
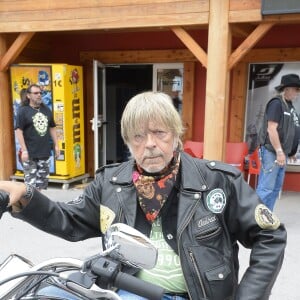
[(271, 177), (129, 296), (57, 292), (54, 291)]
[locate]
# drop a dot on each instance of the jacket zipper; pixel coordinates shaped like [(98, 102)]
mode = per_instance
[(197, 272), (191, 254), (120, 215)]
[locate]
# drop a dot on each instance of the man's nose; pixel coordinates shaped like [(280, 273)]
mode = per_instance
[(150, 140)]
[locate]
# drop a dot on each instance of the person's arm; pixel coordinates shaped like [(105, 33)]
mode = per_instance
[(258, 229), (55, 142), (274, 139), (78, 219), (21, 140)]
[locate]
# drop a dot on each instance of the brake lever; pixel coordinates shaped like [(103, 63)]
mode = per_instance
[(4, 200)]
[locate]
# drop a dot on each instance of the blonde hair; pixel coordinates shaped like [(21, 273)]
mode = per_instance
[(151, 106)]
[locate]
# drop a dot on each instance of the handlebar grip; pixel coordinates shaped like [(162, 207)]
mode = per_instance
[(4, 200), (138, 286)]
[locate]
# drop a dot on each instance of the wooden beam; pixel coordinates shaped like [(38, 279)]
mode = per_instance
[(7, 148), (191, 44), (20, 15), (241, 30), (216, 102), (238, 102), (15, 49), (248, 43), (272, 54), (188, 99), (138, 56), (283, 18)]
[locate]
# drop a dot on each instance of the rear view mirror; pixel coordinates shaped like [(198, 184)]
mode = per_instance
[(130, 246)]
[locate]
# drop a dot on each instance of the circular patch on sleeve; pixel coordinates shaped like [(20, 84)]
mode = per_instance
[(265, 218), (216, 201)]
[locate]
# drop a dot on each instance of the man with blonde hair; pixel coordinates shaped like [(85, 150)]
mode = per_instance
[(195, 211)]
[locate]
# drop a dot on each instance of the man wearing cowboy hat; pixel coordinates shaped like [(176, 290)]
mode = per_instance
[(278, 137)]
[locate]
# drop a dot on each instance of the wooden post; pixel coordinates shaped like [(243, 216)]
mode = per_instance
[(7, 148), (216, 105), (239, 78), (188, 99)]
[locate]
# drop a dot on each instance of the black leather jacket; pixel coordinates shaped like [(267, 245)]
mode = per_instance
[(210, 209)]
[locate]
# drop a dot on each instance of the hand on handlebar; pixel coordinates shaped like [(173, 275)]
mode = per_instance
[(16, 190)]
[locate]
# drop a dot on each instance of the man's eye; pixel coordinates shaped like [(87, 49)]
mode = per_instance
[(138, 137), (160, 133)]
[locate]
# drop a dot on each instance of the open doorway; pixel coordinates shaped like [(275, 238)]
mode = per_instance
[(122, 83), (116, 84)]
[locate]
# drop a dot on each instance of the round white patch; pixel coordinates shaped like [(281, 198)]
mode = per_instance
[(216, 201)]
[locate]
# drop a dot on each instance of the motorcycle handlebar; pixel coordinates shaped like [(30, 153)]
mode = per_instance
[(138, 286)]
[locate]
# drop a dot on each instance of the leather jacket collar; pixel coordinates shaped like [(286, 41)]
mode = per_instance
[(123, 175)]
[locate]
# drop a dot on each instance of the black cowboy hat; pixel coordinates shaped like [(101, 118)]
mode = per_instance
[(289, 80)]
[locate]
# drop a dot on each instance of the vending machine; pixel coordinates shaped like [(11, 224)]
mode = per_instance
[(62, 92)]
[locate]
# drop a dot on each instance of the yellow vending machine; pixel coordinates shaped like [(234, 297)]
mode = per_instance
[(62, 92)]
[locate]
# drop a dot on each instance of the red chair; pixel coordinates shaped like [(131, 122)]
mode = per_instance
[(236, 153), (254, 165), (193, 148)]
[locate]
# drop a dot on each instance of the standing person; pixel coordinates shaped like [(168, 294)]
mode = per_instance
[(195, 211), (278, 137), (34, 127)]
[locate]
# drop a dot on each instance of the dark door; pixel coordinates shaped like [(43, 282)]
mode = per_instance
[(122, 83)]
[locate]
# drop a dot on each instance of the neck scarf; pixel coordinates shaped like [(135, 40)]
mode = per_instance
[(154, 189)]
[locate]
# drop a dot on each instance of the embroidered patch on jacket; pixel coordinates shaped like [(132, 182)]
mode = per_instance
[(106, 218), (265, 218), (216, 201)]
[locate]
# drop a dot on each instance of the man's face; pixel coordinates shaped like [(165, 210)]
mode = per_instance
[(291, 93), (152, 147), (35, 96)]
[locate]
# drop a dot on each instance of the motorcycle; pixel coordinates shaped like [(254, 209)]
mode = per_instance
[(97, 277)]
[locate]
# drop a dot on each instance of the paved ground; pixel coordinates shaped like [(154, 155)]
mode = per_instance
[(288, 210), (19, 237)]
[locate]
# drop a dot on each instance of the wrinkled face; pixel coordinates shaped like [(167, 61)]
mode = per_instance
[(152, 147)]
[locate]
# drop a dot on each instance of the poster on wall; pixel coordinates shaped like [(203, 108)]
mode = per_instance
[(262, 80)]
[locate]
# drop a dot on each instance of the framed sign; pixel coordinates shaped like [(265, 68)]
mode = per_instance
[(262, 80), (273, 7)]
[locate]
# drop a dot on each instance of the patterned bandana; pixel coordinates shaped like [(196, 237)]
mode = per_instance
[(154, 189)]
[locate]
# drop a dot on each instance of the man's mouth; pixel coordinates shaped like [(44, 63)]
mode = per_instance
[(152, 157)]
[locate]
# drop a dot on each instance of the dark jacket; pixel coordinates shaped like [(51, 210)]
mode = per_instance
[(212, 208), (286, 129)]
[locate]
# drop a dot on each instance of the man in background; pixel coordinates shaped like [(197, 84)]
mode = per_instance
[(278, 138), (35, 127)]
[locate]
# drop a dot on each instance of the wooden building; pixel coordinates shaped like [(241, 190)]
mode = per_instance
[(214, 40)]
